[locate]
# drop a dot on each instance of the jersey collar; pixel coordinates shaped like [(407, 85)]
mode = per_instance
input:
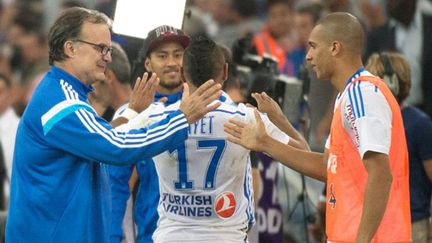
[(172, 98), (352, 78)]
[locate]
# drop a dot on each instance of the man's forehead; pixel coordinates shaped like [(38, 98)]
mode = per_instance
[(168, 46), (317, 29), (88, 32), (318, 32), (89, 26)]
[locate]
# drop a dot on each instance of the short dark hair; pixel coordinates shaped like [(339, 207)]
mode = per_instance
[(120, 64), (68, 26), (203, 59), (343, 27)]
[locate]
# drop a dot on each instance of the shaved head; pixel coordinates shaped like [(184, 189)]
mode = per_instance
[(335, 48), (345, 28)]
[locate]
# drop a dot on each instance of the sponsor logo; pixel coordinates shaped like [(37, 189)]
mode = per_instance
[(332, 163), (225, 205), (351, 119), (187, 205)]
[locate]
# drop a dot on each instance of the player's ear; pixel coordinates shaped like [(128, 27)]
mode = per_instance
[(69, 48), (335, 48), (147, 65), (225, 72)]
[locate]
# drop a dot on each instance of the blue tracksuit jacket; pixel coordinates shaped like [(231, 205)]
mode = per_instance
[(59, 189)]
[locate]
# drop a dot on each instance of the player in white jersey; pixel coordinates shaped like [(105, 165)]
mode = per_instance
[(205, 183), (364, 108)]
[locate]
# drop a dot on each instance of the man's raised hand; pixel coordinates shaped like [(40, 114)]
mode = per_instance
[(143, 92), (197, 104), (249, 135)]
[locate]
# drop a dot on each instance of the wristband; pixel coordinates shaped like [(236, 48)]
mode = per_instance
[(129, 114)]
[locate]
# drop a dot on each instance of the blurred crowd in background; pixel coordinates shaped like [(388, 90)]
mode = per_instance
[(248, 28)]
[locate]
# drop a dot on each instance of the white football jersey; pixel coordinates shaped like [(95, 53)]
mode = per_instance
[(206, 184), (366, 115)]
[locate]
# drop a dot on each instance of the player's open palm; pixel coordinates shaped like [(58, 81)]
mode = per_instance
[(194, 106), (248, 135), (143, 92)]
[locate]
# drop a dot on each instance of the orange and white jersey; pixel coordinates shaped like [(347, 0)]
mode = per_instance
[(366, 115), (346, 174)]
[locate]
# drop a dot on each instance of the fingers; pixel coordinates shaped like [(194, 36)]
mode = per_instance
[(146, 84), (144, 91), (145, 76), (163, 100), (185, 90), (206, 93), (204, 100), (196, 105), (259, 99), (204, 87), (233, 130), (265, 95), (200, 112), (268, 98), (211, 107), (152, 78), (211, 93), (255, 95), (258, 118), (236, 123), (152, 85), (141, 83), (137, 83), (262, 100), (233, 140)]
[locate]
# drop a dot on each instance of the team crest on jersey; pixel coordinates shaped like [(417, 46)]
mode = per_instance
[(225, 205), (332, 163)]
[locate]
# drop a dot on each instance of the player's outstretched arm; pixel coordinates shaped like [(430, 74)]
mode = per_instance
[(253, 136), (194, 106)]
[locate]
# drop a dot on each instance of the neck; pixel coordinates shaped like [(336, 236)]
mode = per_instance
[(168, 91), (345, 71), (69, 68)]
